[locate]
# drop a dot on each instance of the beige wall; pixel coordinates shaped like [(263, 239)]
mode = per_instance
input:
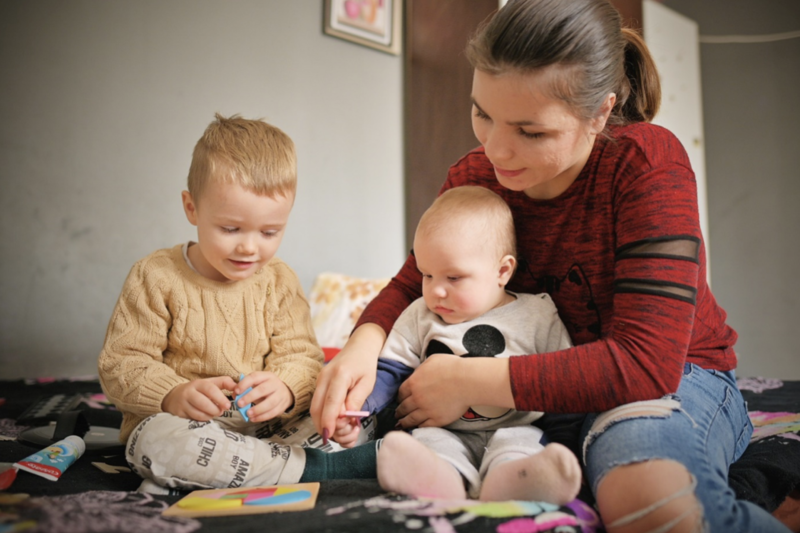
[(102, 102), (751, 108)]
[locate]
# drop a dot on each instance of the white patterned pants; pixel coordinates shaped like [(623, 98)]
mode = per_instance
[(226, 452)]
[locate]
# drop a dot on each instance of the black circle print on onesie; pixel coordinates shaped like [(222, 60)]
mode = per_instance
[(479, 341), (484, 341)]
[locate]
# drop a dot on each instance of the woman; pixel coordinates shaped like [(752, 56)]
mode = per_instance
[(605, 206)]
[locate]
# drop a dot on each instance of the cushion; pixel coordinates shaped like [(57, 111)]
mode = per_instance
[(337, 302)]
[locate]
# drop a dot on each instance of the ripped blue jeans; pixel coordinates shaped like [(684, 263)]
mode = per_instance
[(704, 426)]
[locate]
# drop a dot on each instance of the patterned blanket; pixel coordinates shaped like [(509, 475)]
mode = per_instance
[(88, 499), (769, 470)]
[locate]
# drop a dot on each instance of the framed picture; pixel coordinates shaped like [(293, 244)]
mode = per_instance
[(373, 23)]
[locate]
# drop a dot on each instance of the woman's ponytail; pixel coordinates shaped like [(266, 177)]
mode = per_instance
[(639, 96)]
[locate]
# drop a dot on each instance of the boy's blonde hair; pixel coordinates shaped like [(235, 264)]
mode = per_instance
[(249, 153), (477, 206)]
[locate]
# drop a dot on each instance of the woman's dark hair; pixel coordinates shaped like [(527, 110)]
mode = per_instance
[(595, 56)]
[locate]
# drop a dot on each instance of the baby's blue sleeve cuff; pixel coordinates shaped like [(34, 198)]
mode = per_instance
[(391, 375)]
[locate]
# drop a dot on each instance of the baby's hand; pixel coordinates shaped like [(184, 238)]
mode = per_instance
[(269, 395), (201, 399), (347, 430)]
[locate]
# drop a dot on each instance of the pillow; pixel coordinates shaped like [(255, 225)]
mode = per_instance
[(337, 302)]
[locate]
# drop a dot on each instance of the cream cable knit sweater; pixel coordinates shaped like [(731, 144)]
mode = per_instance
[(171, 325)]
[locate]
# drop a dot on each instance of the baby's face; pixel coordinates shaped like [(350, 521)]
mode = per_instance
[(238, 231), (461, 277)]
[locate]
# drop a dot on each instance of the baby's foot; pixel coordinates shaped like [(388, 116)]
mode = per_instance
[(552, 475), (407, 466)]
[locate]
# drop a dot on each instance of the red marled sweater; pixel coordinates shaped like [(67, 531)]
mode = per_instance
[(636, 309)]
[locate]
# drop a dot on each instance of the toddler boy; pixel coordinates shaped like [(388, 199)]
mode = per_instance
[(193, 318)]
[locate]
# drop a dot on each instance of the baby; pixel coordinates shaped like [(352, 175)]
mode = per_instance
[(465, 250)]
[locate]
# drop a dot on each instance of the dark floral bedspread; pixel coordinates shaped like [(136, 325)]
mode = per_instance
[(89, 500), (769, 470)]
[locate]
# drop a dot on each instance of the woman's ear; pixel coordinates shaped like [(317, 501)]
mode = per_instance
[(508, 264), (189, 207), (598, 123)]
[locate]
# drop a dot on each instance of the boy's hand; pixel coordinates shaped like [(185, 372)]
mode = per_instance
[(270, 396), (201, 399), (347, 430)]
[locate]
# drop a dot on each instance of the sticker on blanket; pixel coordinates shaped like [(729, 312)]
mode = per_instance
[(251, 500), (121, 512), (782, 424), (444, 515), (758, 384), (542, 522), (9, 430)]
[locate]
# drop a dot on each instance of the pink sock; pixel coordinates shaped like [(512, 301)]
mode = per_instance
[(407, 466), (552, 475)]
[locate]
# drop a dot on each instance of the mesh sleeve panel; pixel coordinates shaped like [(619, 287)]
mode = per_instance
[(662, 251)]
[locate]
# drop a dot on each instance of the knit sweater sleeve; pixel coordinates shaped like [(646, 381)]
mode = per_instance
[(295, 356), (641, 354), (131, 368)]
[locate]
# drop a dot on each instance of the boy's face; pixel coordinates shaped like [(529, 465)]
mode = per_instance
[(238, 231), (462, 279)]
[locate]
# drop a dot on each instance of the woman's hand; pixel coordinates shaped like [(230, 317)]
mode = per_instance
[(444, 386), (346, 382), (434, 395), (201, 399)]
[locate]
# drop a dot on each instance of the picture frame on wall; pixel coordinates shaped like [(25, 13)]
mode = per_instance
[(372, 23)]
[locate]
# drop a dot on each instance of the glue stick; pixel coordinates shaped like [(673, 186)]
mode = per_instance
[(51, 462)]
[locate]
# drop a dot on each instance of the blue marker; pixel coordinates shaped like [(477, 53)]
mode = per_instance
[(244, 409)]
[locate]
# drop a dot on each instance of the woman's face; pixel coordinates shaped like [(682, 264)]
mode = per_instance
[(536, 144)]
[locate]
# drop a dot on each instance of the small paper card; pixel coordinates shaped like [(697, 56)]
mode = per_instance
[(246, 500)]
